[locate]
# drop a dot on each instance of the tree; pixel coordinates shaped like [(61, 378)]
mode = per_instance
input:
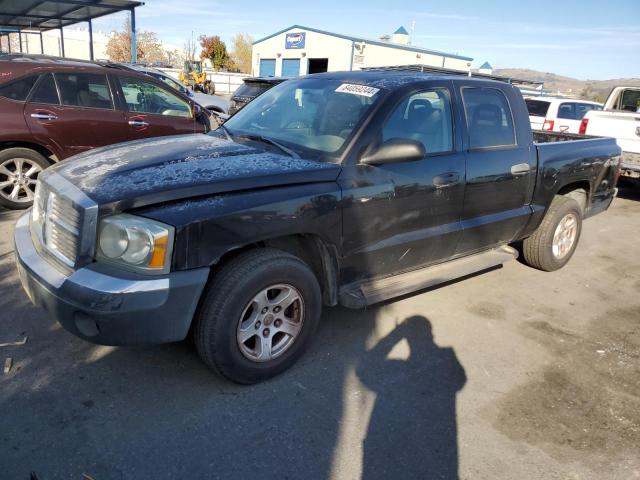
[(242, 48), (189, 49), (148, 47), (215, 50)]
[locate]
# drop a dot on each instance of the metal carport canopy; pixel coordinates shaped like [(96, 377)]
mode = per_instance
[(43, 15)]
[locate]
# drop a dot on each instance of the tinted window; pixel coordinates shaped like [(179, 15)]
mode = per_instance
[(251, 89), (46, 91), (489, 118), (537, 108), (84, 90), (146, 97), (18, 89), (426, 117), (630, 101)]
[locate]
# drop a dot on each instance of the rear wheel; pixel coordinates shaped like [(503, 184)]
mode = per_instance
[(257, 316), (555, 240), (19, 170)]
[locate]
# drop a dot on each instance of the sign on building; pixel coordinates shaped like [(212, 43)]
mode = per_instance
[(294, 40)]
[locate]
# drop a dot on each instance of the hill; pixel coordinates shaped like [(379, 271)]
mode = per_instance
[(588, 89)]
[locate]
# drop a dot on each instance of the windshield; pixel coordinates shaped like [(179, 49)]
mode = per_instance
[(314, 117), (537, 108)]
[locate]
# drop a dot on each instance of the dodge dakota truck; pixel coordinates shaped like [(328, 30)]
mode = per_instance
[(338, 188)]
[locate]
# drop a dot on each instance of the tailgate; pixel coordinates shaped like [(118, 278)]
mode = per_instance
[(623, 126), (536, 122)]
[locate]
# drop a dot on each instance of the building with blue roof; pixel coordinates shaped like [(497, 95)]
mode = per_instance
[(299, 50)]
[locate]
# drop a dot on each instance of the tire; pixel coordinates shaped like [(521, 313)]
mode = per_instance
[(27, 163), (540, 251), (231, 296)]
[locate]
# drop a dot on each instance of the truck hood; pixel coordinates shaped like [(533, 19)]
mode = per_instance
[(145, 172)]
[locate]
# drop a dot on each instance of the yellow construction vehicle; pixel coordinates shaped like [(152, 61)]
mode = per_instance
[(193, 75)]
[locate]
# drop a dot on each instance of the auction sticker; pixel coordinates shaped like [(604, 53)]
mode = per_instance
[(354, 89)]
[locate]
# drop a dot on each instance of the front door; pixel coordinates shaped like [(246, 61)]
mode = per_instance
[(153, 111), (500, 172), (75, 112), (401, 216)]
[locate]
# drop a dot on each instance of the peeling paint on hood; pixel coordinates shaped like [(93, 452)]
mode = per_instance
[(150, 171)]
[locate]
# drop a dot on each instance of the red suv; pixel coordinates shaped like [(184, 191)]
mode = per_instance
[(53, 108)]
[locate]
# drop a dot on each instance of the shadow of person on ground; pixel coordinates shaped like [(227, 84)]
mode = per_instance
[(412, 431)]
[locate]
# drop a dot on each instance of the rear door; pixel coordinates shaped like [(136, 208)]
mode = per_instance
[(500, 169), (74, 111), (570, 116), (154, 111)]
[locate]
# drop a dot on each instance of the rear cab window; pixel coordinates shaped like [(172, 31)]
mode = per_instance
[(19, 89), (489, 118), (84, 90), (537, 108)]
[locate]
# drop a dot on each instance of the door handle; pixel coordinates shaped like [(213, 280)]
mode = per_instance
[(138, 123), (44, 116), (446, 179), (520, 169)]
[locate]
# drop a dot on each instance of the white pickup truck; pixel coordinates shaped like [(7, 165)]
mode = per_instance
[(620, 119)]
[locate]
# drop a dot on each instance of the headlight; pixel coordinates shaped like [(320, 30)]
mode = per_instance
[(135, 243)]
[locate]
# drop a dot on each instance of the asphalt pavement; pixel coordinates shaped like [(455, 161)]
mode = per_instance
[(510, 374)]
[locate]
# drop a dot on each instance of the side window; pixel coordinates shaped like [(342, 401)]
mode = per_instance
[(18, 89), (146, 97), (84, 90), (426, 117), (46, 91), (567, 110), (489, 118), (583, 108)]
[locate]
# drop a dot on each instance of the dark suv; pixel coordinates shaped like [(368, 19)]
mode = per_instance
[(250, 89), (53, 108)]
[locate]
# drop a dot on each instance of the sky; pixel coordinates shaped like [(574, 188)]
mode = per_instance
[(585, 39)]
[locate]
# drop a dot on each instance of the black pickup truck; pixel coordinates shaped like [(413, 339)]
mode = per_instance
[(338, 188)]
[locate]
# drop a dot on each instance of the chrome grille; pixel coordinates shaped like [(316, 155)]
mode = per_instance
[(57, 220)]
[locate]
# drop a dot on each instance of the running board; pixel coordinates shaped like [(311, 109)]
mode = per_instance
[(361, 294)]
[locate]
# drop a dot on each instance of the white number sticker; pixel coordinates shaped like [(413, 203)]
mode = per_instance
[(354, 89)]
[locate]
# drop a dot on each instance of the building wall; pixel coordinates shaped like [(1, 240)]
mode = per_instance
[(317, 45), (343, 54), (76, 43)]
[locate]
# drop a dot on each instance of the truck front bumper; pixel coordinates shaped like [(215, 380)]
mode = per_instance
[(108, 307)]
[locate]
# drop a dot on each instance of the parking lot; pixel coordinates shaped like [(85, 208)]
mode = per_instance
[(513, 373)]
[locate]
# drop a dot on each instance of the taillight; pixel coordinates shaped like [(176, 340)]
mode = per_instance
[(548, 125), (583, 126)]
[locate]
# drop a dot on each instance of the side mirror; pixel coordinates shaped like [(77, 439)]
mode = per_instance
[(197, 110), (395, 150)]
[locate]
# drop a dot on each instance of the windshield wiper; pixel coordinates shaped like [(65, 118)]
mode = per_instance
[(260, 138), (226, 132)]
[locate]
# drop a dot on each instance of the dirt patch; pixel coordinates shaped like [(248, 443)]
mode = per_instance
[(585, 405), (489, 310)]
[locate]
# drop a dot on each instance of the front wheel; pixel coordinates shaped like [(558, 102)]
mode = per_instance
[(257, 316), (554, 242), (19, 170)]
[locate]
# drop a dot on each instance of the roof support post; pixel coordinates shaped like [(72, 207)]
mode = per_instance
[(62, 41), (134, 56), (90, 41), (9, 41), (41, 43), (20, 38)]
